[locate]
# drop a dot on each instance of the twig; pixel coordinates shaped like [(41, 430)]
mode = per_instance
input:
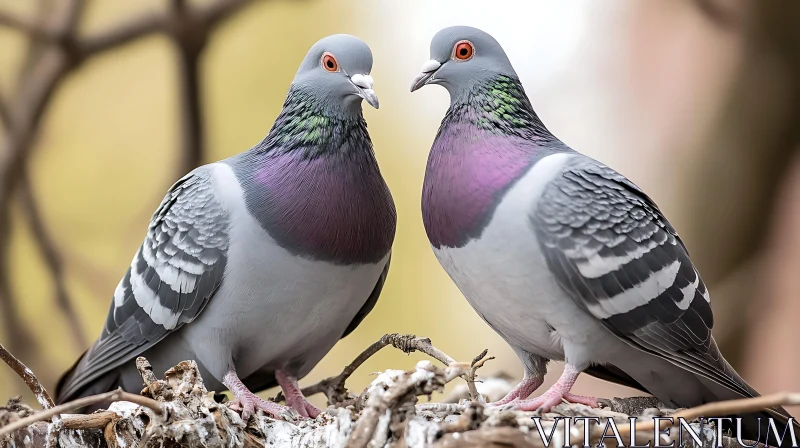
[(52, 259), (220, 11), (476, 364), (114, 395), (189, 39), (5, 115), (471, 418), (148, 23), (410, 384), (121, 34), (715, 409), (146, 371), (20, 337), (449, 408), (32, 30), (98, 420), (740, 406), (333, 387), (30, 379)]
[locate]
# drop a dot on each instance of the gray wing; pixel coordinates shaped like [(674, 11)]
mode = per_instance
[(613, 251), (171, 279)]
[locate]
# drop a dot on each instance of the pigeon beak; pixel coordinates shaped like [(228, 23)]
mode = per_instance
[(426, 74), (370, 97), (363, 85)]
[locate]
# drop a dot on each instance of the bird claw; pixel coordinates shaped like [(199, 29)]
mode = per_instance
[(546, 401), (503, 407), (249, 403), (313, 411), (303, 408), (526, 387)]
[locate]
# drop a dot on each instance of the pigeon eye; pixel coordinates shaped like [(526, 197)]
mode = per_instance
[(463, 51), (329, 63)]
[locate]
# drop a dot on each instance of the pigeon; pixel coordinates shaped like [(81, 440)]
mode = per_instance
[(256, 265), (565, 258)]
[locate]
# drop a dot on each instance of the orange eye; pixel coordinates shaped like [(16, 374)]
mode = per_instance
[(463, 50), (329, 63)]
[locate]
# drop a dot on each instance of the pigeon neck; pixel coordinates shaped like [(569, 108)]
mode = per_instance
[(314, 185), (311, 128), (488, 140), (498, 106)]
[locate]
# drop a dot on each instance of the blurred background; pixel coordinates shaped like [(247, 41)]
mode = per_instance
[(103, 104)]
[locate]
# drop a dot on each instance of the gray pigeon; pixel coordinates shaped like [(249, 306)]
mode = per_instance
[(255, 266), (561, 255)]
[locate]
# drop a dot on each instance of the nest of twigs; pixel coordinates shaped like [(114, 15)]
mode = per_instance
[(179, 411)]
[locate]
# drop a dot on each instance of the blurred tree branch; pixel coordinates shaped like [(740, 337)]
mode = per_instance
[(26, 111), (5, 116), (723, 15), (189, 36), (31, 29), (51, 257), (56, 50), (749, 150)]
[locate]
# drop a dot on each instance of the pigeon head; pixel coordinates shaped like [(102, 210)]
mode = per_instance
[(336, 72), (462, 56)]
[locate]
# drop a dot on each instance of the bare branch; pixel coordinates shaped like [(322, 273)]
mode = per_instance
[(59, 52), (472, 417), (449, 408), (221, 10), (20, 337), (40, 81), (333, 387), (114, 395), (52, 259), (32, 30), (715, 409), (477, 363), (97, 420), (27, 375), (148, 23), (122, 34), (5, 116), (189, 40), (741, 406)]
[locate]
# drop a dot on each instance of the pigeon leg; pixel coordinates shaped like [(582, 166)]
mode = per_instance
[(249, 402), (524, 389), (559, 390), (294, 397)]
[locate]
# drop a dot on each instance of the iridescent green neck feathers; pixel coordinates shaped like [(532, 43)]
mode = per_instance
[(499, 106), (307, 126)]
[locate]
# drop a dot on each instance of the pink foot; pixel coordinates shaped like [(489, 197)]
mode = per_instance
[(547, 400), (523, 390), (554, 395), (294, 397), (248, 403)]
